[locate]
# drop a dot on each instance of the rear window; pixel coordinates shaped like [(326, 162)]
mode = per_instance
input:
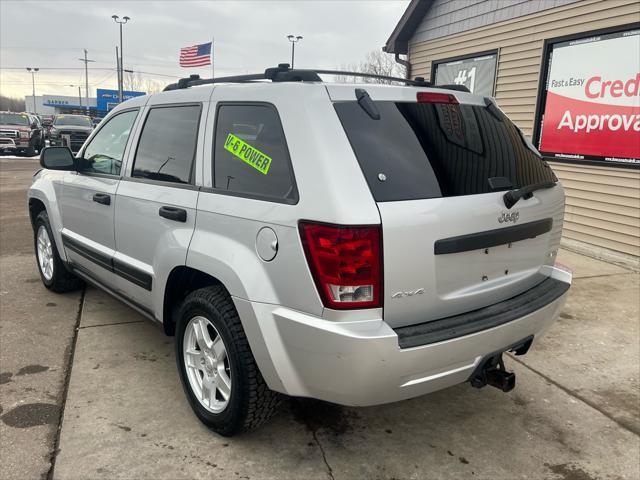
[(423, 150)]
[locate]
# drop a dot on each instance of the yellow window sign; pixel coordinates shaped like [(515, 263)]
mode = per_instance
[(248, 153)]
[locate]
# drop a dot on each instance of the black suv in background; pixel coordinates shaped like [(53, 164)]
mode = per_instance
[(70, 131)]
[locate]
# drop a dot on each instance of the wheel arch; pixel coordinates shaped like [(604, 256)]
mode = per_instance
[(36, 206), (181, 281), (184, 279), (42, 196)]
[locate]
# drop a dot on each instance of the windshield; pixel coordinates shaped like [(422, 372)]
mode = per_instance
[(79, 120), (427, 150), (14, 119)]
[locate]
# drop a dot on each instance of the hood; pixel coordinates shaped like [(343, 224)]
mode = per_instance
[(77, 128)]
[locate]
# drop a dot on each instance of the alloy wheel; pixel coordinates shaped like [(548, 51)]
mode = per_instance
[(45, 253), (207, 364)]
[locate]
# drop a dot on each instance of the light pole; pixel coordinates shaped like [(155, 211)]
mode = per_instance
[(33, 71), (293, 39), (120, 22)]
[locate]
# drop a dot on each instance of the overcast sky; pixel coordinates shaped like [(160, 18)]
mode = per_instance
[(249, 36)]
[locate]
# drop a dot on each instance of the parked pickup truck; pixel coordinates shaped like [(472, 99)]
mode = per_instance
[(20, 133), (355, 243), (70, 131)]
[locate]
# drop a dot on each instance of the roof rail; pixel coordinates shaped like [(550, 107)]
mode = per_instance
[(283, 73)]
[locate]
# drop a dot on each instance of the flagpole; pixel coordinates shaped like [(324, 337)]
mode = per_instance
[(213, 68)]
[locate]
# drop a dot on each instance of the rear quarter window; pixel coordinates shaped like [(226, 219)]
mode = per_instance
[(424, 150), (251, 157)]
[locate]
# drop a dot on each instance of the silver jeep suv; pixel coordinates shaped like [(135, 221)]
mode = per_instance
[(354, 243)]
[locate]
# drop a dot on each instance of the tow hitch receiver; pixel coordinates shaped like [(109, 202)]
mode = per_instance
[(492, 372)]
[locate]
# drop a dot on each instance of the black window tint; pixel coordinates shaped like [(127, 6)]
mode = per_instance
[(251, 155), (432, 150), (167, 144), (104, 152), (387, 149)]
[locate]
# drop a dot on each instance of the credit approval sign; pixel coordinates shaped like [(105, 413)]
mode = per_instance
[(592, 105)]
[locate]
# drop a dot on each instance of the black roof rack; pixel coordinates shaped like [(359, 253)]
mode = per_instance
[(283, 73)]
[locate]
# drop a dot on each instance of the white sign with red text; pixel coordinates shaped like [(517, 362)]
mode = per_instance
[(592, 106)]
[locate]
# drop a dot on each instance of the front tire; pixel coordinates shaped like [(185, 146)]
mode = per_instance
[(218, 372), (53, 272)]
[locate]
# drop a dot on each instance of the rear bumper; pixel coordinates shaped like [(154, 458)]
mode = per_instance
[(361, 363)]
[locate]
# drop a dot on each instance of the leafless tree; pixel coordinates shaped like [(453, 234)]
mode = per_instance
[(376, 62), (135, 82), (152, 86), (12, 104), (132, 81)]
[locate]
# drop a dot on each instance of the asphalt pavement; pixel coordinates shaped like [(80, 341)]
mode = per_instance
[(574, 414), (36, 336)]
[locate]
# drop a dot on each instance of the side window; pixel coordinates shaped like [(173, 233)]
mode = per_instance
[(104, 152), (167, 144), (251, 155)]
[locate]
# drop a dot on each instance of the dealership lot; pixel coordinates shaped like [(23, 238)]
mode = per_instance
[(573, 415), (36, 333)]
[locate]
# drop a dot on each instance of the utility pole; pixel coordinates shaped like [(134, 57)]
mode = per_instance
[(79, 94), (86, 78), (33, 85)]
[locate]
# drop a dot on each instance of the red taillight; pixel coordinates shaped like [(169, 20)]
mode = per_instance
[(436, 97), (346, 263)]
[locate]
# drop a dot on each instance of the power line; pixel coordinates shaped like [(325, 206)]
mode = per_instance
[(104, 79), (158, 74), (58, 68), (94, 68)]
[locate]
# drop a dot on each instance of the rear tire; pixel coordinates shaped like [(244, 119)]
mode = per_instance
[(53, 272), (249, 402)]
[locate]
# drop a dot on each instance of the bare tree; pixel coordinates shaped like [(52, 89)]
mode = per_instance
[(152, 86), (381, 63), (12, 104), (132, 81), (376, 62)]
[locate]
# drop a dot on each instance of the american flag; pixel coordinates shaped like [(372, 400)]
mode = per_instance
[(196, 55)]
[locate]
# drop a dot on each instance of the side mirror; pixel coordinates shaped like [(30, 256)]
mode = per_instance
[(57, 158)]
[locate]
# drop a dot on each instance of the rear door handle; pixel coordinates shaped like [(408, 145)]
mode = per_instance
[(173, 213), (102, 198)]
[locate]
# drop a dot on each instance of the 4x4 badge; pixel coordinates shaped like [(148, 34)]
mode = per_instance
[(410, 293), (509, 217)]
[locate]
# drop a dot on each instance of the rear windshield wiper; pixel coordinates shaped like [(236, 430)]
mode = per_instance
[(512, 196), (365, 102)]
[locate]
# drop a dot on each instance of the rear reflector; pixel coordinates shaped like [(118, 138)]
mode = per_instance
[(346, 264), (436, 97)]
